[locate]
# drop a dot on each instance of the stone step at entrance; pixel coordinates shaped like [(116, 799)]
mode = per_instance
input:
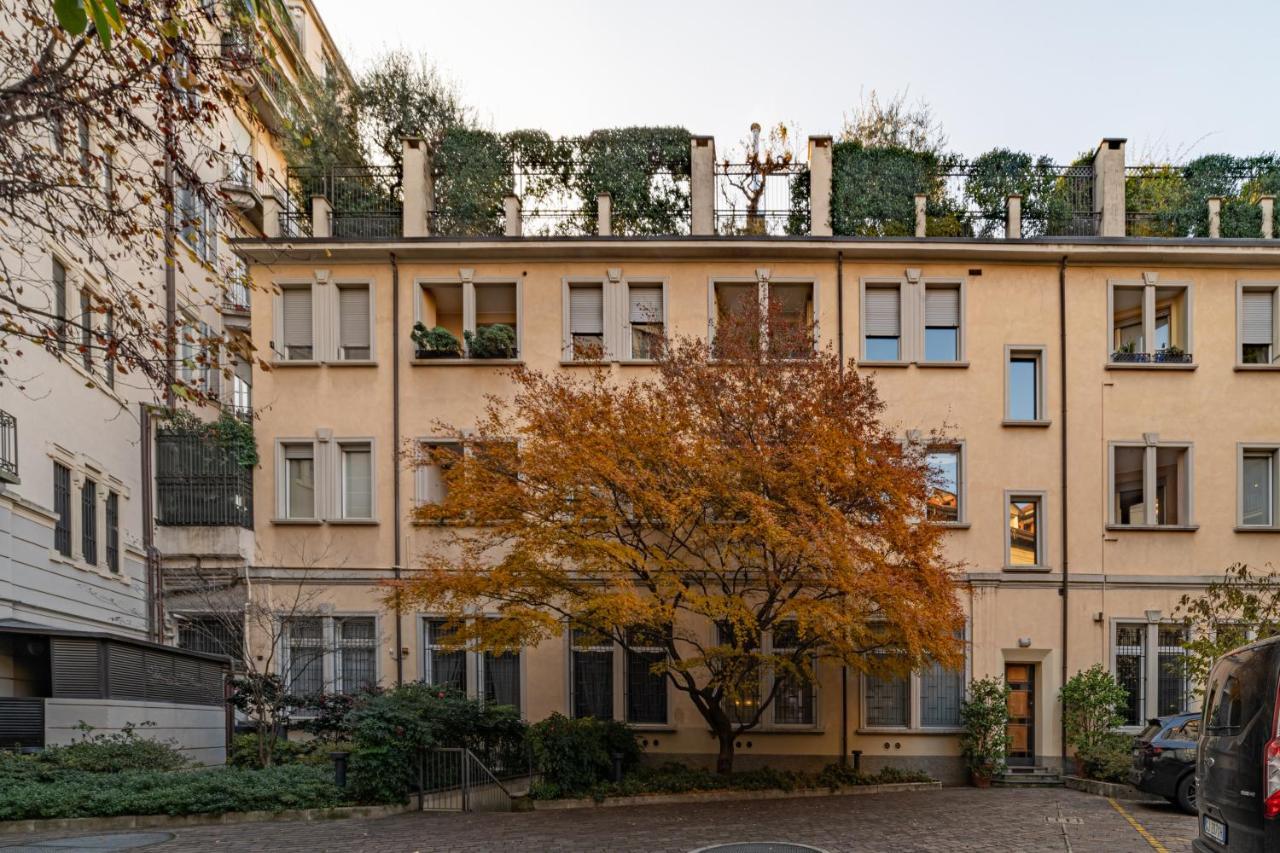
[(1028, 777)]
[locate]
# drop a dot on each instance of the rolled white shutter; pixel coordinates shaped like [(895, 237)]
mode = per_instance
[(586, 311), (882, 312), (942, 307), (358, 497), (353, 317), (1256, 317), (645, 304), (297, 317)]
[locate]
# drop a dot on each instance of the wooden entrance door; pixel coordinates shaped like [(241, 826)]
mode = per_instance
[(1021, 678)]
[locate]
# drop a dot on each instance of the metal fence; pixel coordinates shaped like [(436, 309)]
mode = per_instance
[(365, 200), (8, 445), (755, 200), (455, 779), (201, 484)]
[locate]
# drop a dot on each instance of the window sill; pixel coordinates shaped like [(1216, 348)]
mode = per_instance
[(1256, 368), (465, 362), (637, 362), (1155, 528), (890, 730), (295, 362), (90, 568), (583, 362), (1115, 365), (1028, 570), (1244, 528), (352, 521), (1033, 424), (953, 525), (352, 362), (942, 364), (882, 364), (654, 728), (313, 522)]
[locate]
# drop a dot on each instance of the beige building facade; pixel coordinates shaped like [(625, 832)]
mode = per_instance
[(1111, 445)]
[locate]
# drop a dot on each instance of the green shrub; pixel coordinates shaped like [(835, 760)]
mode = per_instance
[(985, 716), (34, 789), (244, 751), (112, 752), (574, 755), (1108, 759), (496, 341), (438, 339)]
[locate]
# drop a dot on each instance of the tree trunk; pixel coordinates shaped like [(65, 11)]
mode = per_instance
[(724, 761)]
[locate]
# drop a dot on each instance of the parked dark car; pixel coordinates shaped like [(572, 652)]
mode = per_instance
[(1239, 759), (1164, 759)]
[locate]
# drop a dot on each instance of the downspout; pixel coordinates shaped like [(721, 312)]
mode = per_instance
[(844, 667), (1065, 592), (155, 624), (395, 455)]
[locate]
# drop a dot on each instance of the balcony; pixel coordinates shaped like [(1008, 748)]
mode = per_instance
[(201, 484), (8, 448), (1150, 325), (240, 187)]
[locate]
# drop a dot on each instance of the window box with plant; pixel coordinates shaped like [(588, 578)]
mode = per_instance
[(437, 342), (489, 342)]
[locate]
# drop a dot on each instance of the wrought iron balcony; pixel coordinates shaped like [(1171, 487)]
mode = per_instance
[(8, 447), (201, 484), (1171, 355)]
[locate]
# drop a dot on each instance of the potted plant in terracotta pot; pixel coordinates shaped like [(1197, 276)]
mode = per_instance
[(985, 740), (435, 343)]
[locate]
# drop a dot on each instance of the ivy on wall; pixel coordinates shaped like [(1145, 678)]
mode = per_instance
[(227, 432), (873, 191)]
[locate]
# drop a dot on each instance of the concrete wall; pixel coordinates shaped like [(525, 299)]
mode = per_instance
[(198, 730)]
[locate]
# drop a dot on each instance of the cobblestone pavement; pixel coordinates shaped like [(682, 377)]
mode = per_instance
[(963, 819)]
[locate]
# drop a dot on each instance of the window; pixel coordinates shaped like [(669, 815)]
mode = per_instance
[(1257, 325), (82, 143), (466, 310), (743, 704), (646, 699), (882, 323), (791, 319), (446, 663), (1150, 324), (927, 699), (109, 362), (1151, 485), (357, 480), (299, 481), (945, 492), (296, 303), (1025, 542), (586, 322), (793, 698), (304, 641), (113, 532), (885, 701), (500, 673), (62, 509), (1024, 385), (353, 323), (647, 319), (438, 457), (215, 634), (89, 521), (356, 653), (241, 390), (60, 303), (941, 323), (1258, 487), (941, 692), (591, 682), (86, 328), (1155, 686)]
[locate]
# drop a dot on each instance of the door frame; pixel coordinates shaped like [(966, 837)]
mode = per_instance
[(1032, 670)]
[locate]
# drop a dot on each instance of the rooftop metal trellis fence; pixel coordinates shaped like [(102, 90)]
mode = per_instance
[(365, 201), (201, 484), (757, 200)]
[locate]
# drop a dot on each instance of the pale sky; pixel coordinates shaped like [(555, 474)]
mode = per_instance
[(1175, 77)]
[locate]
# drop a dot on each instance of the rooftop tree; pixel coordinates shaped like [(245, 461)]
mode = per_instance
[(732, 494)]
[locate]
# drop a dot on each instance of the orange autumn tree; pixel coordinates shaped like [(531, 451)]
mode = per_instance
[(747, 490)]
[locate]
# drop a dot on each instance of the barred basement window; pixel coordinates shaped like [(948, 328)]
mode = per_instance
[(743, 706), (305, 644), (213, 634), (592, 679), (62, 509), (941, 691), (887, 700), (1131, 670), (646, 690), (1171, 681), (500, 672), (446, 666), (89, 521), (356, 651), (793, 698)]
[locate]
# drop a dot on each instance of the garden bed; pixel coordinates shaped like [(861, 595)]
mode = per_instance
[(729, 794), (1114, 790)]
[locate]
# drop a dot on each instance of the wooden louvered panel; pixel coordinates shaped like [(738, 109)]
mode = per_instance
[(21, 722)]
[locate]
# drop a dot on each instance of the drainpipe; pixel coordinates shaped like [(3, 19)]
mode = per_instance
[(154, 618), (1062, 430), (844, 668), (395, 453)]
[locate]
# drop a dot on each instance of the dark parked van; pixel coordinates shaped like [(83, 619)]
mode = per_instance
[(1239, 759)]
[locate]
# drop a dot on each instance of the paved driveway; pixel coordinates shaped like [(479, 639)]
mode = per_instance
[(961, 819)]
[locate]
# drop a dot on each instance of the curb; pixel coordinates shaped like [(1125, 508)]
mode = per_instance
[(729, 796), (1115, 791), (164, 821)]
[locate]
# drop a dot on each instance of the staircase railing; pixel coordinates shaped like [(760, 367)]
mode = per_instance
[(455, 779)]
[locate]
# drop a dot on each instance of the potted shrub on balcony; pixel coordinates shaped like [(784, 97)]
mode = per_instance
[(1172, 355), (496, 341), (435, 343), (985, 740)]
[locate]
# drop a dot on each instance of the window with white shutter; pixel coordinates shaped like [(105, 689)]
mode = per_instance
[(941, 323), (646, 316), (586, 322), (357, 480), (297, 324), (882, 319), (1257, 326), (299, 473), (438, 458), (353, 323)]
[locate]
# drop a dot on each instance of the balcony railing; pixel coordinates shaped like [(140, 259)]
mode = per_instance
[(1172, 355), (201, 484), (8, 447)]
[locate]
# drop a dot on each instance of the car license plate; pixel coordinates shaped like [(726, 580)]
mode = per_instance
[(1215, 829)]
